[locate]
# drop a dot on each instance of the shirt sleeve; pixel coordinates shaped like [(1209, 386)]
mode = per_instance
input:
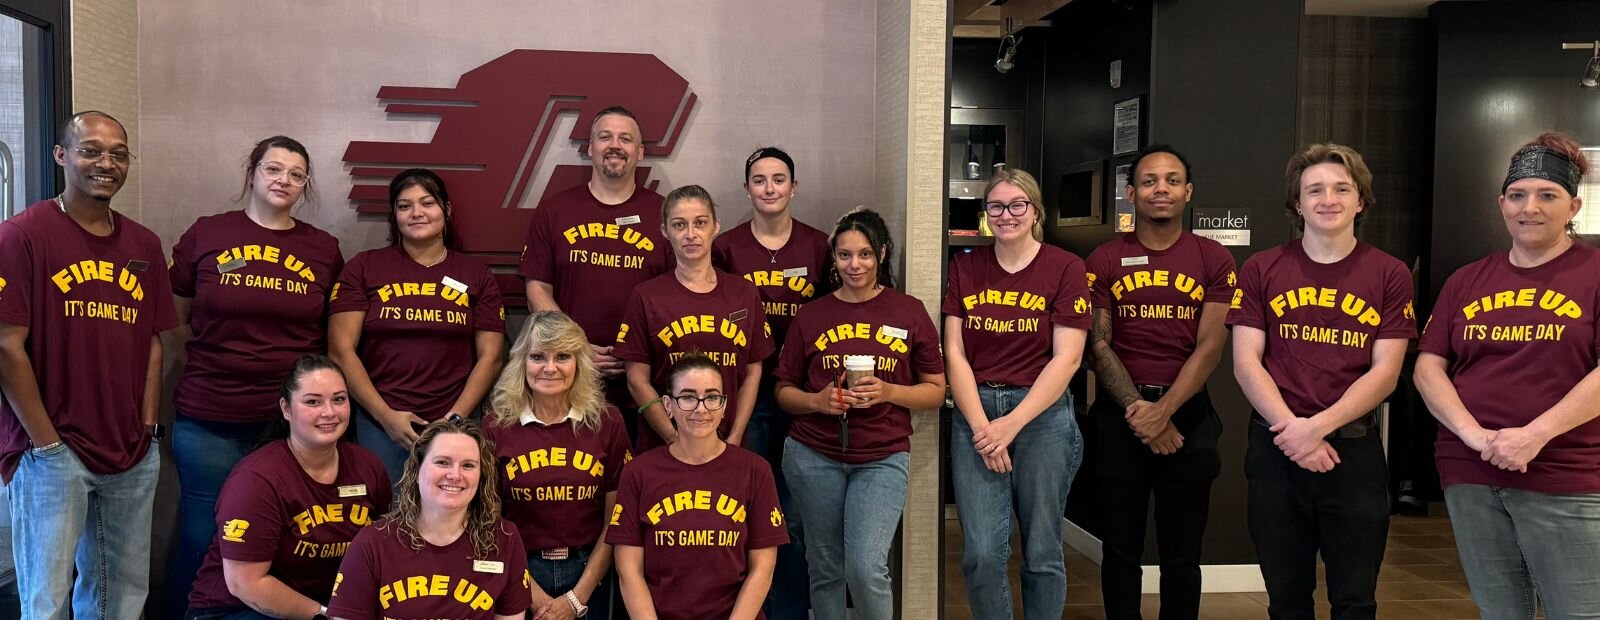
[(1070, 308), (760, 330), (633, 339), (517, 596), (926, 350), (355, 587), (350, 292), (767, 526), (489, 313), (1247, 308), (16, 276), (161, 287), (1097, 271), (1221, 277), (618, 452), (250, 518), (183, 268), (1399, 315), (626, 526), (792, 359), (1441, 324), (953, 292), (538, 254)]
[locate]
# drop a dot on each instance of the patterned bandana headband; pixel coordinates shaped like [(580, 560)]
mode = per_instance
[(1540, 162)]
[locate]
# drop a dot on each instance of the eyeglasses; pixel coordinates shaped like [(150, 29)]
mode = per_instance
[(688, 402), (121, 157), (1018, 208), (275, 172)]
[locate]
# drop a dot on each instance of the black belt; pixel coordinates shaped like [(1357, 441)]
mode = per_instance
[(1354, 429), (1151, 393)]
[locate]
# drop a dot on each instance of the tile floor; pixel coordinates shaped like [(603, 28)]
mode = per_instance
[(1421, 579)]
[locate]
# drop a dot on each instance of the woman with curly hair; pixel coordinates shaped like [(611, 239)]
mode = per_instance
[(561, 449), (442, 551)]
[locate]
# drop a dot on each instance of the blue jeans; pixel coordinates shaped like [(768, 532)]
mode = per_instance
[(850, 514), (371, 436), (203, 452), (63, 516), (556, 577), (1516, 544), (1045, 456), (790, 596)]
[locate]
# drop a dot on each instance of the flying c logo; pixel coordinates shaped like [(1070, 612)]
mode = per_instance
[(497, 124)]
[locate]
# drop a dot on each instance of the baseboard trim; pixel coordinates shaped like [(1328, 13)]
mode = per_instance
[(1214, 578)]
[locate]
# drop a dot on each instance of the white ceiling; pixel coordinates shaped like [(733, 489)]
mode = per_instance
[(1369, 8)]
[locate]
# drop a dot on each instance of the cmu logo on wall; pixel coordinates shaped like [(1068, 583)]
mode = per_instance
[(498, 122)]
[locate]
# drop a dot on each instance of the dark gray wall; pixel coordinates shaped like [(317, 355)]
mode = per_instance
[(1223, 90), (1503, 79)]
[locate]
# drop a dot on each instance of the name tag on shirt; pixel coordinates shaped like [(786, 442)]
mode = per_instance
[(895, 332), (231, 265), (138, 266), (738, 315), (489, 566), (628, 221), (353, 490), (458, 285), (1129, 261), (797, 272)]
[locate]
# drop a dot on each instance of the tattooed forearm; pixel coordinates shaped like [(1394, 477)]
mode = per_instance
[(1113, 377)]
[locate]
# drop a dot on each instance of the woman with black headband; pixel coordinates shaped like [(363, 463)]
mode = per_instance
[(1508, 367)]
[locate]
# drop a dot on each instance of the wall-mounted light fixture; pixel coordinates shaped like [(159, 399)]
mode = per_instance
[(1591, 73), (1008, 48)]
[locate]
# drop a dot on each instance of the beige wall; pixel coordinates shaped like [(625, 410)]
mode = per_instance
[(216, 76), (105, 77)]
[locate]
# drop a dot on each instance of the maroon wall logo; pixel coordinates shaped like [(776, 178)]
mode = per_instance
[(497, 123)]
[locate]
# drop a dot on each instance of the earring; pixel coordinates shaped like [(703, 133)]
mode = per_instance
[(833, 276)]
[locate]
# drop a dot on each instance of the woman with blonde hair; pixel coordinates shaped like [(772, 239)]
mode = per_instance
[(442, 551), (560, 450)]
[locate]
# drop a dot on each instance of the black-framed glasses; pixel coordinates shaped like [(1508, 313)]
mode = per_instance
[(121, 157), (687, 402), (1016, 208), (275, 172)]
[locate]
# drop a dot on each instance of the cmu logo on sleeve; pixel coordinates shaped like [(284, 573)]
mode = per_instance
[(501, 120), (233, 530)]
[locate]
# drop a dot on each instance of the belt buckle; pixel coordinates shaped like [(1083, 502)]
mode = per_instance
[(558, 553), (1151, 393)]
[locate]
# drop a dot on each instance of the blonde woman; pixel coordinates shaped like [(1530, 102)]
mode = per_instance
[(560, 450), (444, 542)]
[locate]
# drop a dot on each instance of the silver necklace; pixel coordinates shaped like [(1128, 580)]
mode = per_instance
[(111, 221)]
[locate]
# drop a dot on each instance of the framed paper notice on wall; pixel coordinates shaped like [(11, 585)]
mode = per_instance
[(1125, 126)]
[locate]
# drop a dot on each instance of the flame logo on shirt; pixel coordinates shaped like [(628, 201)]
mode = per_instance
[(233, 530), (1090, 274), (1409, 312), (776, 517), (1233, 279), (622, 333), (1080, 305)]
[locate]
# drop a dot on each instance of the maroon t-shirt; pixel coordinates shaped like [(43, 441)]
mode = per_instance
[(1007, 318), (664, 320), (270, 510), (593, 254), (896, 329), (696, 524), (1322, 320), (554, 479), (91, 305), (383, 576), (257, 291), (418, 338), (787, 278), (1155, 298), (1517, 341)]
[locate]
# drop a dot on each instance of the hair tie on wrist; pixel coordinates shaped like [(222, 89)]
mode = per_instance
[(647, 405)]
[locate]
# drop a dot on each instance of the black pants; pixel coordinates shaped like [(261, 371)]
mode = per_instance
[(1295, 513), (1129, 473)]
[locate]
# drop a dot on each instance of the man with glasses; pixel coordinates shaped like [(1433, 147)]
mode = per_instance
[(83, 298), (589, 246), (1160, 297)]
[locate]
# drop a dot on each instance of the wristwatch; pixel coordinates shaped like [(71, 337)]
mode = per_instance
[(321, 615), (578, 609), (157, 431)]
